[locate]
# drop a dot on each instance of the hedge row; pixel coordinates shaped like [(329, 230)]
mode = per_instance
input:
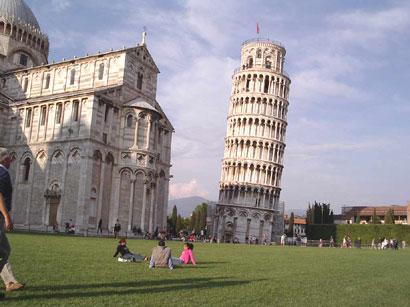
[(365, 232)]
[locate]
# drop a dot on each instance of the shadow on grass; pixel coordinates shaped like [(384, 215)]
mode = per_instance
[(212, 262), (137, 287)]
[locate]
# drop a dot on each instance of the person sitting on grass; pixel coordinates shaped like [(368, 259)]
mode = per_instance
[(186, 255), (161, 256), (126, 255)]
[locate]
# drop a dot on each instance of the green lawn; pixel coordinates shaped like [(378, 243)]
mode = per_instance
[(61, 270)]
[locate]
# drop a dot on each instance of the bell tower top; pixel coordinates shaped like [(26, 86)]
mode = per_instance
[(262, 53)]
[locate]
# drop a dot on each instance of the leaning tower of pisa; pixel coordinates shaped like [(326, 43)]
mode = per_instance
[(248, 207)]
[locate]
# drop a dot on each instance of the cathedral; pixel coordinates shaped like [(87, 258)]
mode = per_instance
[(88, 138)]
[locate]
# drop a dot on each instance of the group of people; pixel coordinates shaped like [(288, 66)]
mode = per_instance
[(70, 227), (160, 257), (385, 243)]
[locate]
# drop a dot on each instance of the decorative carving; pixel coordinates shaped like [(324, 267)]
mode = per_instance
[(126, 155), (52, 193)]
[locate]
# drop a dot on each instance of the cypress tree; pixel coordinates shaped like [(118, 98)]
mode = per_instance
[(192, 223), (389, 217), (179, 225), (173, 220), (291, 223), (375, 218)]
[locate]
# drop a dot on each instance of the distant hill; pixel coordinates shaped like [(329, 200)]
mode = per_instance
[(186, 205)]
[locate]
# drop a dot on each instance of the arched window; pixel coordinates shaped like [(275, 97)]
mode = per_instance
[(43, 115), (75, 110), (8, 29), (26, 169), (142, 131), (47, 82), (129, 121), (266, 86), (23, 59), (28, 118), (258, 53), (25, 84), (268, 62), (59, 112), (101, 71), (139, 81), (72, 76), (250, 62)]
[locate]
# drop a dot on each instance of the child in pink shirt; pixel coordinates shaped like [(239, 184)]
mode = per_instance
[(186, 256)]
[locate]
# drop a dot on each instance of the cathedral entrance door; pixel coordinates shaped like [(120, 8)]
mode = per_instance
[(53, 209), (228, 237)]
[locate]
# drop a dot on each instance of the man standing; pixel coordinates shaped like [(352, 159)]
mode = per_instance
[(5, 206), (99, 229), (117, 228)]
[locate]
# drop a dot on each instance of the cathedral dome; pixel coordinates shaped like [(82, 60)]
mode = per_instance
[(18, 10)]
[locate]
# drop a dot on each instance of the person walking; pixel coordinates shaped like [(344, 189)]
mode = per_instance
[(6, 223), (9, 280), (117, 228), (331, 242), (99, 229)]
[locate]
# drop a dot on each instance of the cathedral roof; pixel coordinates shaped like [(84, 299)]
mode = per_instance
[(140, 103), (19, 11)]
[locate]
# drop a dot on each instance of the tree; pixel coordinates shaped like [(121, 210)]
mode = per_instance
[(198, 217), (173, 221), (291, 223), (192, 223), (358, 219), (375, 218), (179, 225), (309, 215), (389, 217), (319, 213)]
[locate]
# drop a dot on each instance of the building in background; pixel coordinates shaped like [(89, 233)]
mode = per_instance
[(252, 165), (88, 138), (365, 213), (299, 225)]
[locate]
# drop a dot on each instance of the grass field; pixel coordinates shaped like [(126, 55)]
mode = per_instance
[(61, 270)]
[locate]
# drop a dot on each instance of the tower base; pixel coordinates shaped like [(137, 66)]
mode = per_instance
[(242, 224)]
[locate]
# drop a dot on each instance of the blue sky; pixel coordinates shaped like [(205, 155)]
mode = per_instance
[(348, 135)]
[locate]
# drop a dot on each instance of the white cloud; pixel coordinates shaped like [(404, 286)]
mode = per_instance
[(313, 85), (313, 149), (187, 189), (60, 5), (394, 19)]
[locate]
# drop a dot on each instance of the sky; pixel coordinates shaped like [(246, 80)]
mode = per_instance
[(349, 117)]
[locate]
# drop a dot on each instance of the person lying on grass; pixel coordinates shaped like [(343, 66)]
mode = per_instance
[(126, 255), (186, 256), (161, 256)]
